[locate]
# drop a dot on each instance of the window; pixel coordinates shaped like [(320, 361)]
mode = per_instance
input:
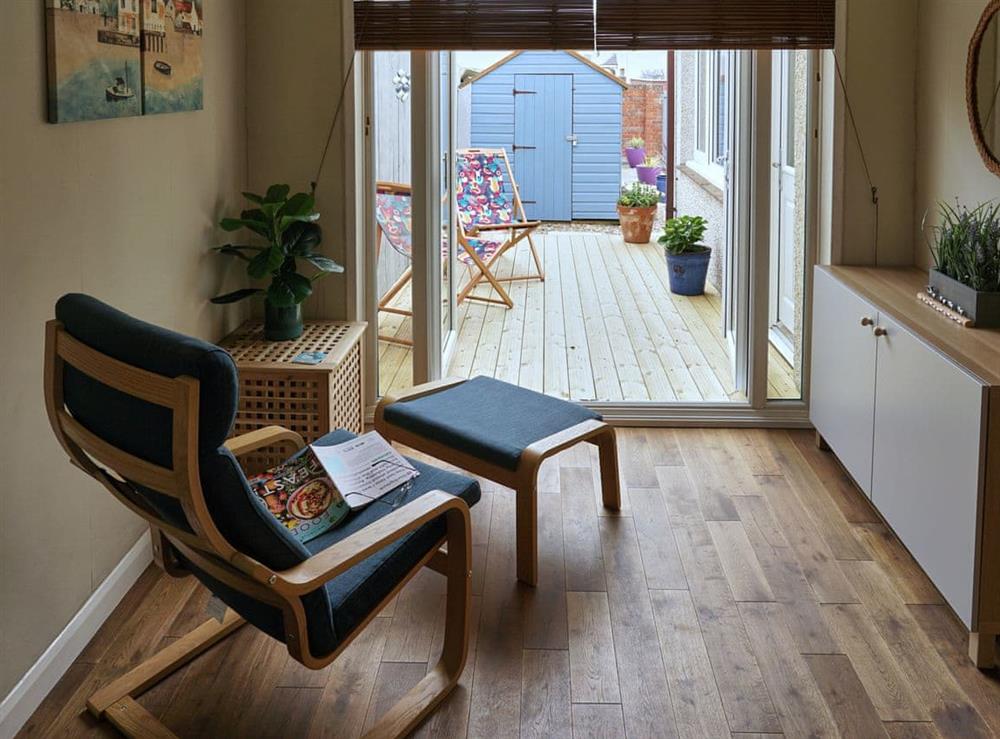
[(712, 116)]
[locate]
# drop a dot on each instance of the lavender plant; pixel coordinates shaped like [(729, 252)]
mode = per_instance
[(966, 245)]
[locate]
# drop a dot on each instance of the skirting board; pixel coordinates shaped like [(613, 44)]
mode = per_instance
[(29, 693)]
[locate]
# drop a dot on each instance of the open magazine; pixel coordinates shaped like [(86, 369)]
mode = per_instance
[(313, 492)]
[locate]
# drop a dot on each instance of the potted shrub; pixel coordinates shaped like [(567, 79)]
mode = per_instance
[(635, 152), (288, 226), (637, 211), (687, 257), (966, 272), (648, 170)]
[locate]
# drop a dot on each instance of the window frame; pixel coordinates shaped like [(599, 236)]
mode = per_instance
[(706, 159)]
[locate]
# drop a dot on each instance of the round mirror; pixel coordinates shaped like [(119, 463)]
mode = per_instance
[(983, 86)]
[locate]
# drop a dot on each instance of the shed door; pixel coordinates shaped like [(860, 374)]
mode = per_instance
[(543, 145)]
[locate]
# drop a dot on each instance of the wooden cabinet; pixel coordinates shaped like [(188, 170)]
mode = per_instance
[(311, 399), (910, 403)]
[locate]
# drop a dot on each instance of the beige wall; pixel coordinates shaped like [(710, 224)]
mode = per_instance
[(295, 62), (948, 165), (880, 52), (124, 210)]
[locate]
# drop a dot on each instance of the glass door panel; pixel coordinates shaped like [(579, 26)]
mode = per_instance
[(390, 125)]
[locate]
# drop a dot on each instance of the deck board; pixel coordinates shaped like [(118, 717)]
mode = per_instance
[(602, 326)]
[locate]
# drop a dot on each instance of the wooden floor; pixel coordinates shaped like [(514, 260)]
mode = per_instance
[(603, 326), (746, 588)]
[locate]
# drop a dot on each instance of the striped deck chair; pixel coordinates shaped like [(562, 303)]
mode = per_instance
[(394, 215), (490, 220)]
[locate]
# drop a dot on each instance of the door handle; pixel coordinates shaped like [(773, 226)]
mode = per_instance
[(573, 139), (879, 331), (866, 321)]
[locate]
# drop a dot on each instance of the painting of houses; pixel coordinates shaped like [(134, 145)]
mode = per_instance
[(171, 56), (116, 58), (94, 63)]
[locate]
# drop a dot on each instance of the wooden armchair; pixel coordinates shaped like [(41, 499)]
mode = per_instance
[(145, 412)]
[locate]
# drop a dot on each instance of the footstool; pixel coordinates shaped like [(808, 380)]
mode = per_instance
[(503, 433)]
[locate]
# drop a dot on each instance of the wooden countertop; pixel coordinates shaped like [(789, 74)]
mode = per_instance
[(894, 290)]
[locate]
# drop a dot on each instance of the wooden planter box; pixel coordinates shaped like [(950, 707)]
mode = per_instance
[(309, 399)]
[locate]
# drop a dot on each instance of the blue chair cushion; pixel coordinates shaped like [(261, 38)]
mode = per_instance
[(348, 599), (489, 419)]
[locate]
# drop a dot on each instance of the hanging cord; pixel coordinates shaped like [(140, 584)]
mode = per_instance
[(857, 137), (338, 109)]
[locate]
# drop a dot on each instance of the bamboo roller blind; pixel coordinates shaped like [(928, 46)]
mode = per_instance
[(571, 24)]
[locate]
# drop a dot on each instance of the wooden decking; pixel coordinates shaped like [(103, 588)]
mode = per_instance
[(603, 326)]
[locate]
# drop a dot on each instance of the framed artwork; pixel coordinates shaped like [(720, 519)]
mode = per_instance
[(116, 58)]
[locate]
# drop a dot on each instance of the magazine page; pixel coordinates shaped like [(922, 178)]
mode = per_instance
[(301, 496), (365, 468)]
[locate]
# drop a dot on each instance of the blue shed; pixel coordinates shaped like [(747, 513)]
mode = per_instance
[(559, 116)]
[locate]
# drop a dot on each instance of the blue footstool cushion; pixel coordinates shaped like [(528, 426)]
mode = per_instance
[(489, 419)]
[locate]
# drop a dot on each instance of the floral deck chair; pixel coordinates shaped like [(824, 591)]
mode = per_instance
[(490, 221)]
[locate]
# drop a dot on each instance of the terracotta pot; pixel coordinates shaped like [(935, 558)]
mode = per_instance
[(637, 223)]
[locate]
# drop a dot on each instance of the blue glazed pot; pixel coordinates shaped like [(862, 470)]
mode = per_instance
[(688, 272)]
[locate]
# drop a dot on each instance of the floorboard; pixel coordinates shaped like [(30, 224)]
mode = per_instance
[(665, 620)]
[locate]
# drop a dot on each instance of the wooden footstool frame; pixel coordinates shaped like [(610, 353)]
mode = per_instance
[(524, 480)]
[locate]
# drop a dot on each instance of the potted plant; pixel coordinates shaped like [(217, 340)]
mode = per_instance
[(648, 170), (637, 211), (966, 272), (288, 226), (635, 152), (687, 257)]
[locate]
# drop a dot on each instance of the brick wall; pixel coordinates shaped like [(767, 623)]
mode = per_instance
[(642, 114)]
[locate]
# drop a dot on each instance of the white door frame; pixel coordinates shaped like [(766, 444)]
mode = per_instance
[(782, 74), (450, 335)]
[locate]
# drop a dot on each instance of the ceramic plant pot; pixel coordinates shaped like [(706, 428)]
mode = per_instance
[(637, 223), (282, 324), (688, 271), (647, 175), (635, 157), (982, 307)]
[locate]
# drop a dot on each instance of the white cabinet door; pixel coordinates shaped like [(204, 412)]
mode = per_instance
[(842, 402), (926, 475)]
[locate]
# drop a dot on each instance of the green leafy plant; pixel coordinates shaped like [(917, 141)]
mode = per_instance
[(288, 226), (683, 234), (636, 142), (651, 161), (638, 195), (966, 245)]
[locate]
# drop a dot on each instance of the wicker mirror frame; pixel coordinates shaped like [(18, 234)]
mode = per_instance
[(990, 158)]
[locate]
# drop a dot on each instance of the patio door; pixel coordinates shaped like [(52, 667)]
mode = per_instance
[(735, 111), (782, 299), (543, 144)]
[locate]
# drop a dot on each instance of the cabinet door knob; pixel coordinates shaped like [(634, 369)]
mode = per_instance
[(866, 321), (879, 331)]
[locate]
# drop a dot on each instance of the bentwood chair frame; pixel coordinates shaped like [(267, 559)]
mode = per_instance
[(206, 548), (517, 231)]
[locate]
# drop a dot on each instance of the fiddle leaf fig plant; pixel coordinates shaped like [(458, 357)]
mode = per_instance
[(288, 226)]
